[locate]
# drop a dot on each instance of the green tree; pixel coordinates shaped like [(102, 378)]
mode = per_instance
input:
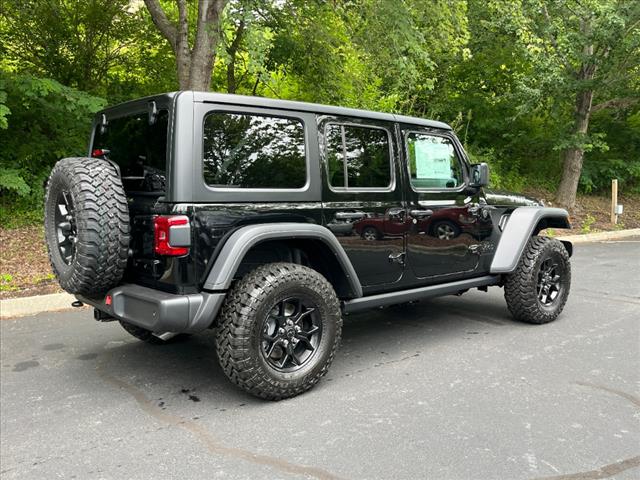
[(42, 122), (75, 42), (585, 49)]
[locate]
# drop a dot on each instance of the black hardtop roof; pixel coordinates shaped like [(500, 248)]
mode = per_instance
[(244, 100), (312, 107)]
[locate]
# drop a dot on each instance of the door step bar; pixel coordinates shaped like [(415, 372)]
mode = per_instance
[(403, 296)]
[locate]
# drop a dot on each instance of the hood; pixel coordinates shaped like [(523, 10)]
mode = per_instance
[(509, 199)]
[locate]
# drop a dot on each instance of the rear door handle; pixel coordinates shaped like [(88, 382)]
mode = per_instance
[(421, 213), (349, 215)]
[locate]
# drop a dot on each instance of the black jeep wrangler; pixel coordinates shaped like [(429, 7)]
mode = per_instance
[(268, 220)]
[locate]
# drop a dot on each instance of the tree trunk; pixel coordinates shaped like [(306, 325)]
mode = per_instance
[(573, 157), (207, 36), (233, 50), (181, 50), (194, 65)]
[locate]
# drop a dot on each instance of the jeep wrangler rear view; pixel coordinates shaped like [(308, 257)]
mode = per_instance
[(268, 220)]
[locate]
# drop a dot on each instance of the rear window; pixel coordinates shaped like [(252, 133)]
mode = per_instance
[(139, 149), (253, 151)]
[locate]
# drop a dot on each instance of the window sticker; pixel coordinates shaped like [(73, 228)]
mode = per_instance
[(433, 160)]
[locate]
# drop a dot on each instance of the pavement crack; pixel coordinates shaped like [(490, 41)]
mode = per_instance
[(627, 396), (606, 471), (209, 441), (620, 297), (474, 316)]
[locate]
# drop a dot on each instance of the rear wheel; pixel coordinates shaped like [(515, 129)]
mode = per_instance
[(278, 330), (537, 290), (446, 230)]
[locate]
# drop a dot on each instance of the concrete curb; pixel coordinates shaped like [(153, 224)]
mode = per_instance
[(19, 307), (601, 236)]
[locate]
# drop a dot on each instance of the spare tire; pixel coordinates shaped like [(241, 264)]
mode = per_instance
[(86, 225)]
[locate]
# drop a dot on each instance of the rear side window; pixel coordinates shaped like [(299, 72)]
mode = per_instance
[(357, 157), (253, 151), (433, 162), (139, 149)]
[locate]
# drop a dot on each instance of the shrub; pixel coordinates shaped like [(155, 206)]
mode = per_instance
[(41, 121)]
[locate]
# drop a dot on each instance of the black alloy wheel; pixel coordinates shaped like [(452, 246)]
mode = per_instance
[(549, 284), (291, 333), (66, 228)]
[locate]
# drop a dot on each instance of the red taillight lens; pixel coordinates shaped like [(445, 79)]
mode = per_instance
[(163, 226), (99, 152)]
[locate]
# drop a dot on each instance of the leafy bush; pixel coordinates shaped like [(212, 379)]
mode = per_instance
[(41, 121), (503, 174)]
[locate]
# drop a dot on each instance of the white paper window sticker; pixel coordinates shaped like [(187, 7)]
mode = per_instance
[(433, 160)]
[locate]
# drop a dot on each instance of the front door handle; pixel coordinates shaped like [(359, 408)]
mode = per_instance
[(350, 215), (421, 213)]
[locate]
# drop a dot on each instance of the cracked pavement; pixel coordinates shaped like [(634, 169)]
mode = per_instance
[(449, 388)]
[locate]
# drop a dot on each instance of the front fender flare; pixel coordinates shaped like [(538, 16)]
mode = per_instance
[(523, 223), (242, 240)]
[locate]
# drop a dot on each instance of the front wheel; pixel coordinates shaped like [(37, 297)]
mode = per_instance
[(278, 330), (537, 290)]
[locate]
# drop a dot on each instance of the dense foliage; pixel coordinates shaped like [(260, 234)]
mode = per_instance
[(511, 76)]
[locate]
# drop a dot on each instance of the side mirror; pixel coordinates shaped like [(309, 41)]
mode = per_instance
[(479, 175)]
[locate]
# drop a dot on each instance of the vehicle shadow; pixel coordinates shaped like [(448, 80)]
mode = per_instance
[(187, 368)]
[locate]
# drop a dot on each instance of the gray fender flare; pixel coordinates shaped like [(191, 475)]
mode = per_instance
[(522, 224), (242, 240)]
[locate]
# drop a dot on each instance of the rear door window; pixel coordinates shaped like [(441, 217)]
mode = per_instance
[(358, 157), (253, 151)]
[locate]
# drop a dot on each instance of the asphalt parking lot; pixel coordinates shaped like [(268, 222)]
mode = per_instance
[(444, 389)]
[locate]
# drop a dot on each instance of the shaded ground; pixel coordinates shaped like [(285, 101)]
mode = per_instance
[(25, 269), (592, 213), (445, 389), (24, 263)]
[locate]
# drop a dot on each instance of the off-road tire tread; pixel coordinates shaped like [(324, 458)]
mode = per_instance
[(520, 285), (102, 218), (235, 324)]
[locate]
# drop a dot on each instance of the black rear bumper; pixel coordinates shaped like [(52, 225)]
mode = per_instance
[(159, 311)]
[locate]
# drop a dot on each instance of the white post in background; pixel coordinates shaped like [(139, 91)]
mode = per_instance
[(614, 201)]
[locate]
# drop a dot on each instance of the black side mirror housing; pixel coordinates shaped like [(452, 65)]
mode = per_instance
[(479, 175)]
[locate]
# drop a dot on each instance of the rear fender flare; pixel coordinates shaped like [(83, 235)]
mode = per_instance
[(242, 240), (522, 224)]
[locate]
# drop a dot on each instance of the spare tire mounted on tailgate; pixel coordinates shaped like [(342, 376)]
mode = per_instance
[(86, 225)]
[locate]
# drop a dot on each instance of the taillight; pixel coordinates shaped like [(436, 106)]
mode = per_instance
[(172, 235), (99, 153)]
